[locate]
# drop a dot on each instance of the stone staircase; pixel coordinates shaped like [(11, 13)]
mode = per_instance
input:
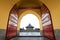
[(29, 38)]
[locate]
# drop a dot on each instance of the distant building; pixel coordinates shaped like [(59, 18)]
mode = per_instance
[(30, 31), (30, 28)]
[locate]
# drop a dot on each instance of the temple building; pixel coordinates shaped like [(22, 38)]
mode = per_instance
[(30, 31)]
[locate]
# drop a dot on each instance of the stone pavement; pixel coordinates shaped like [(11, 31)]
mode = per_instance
[(29, 38)]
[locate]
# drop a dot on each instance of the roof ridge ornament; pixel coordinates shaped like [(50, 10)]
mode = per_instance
[(29, 26)]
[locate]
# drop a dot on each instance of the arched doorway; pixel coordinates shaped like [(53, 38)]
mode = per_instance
[(30, 5), (31, 20), (29, 24)]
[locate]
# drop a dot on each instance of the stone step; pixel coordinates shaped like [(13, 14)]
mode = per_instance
[(29, 38)]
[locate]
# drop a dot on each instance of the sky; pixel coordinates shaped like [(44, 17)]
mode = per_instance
[(29, 19)]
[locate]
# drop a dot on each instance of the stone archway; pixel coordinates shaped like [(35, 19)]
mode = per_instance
[(34, 12), (47, 24)]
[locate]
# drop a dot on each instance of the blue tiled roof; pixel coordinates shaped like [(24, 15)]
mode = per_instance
[(29, 26)]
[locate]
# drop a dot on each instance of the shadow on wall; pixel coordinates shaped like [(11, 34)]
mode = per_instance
[(3, 32)]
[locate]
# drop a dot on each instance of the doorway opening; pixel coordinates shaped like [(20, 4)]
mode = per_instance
[(29, 25)]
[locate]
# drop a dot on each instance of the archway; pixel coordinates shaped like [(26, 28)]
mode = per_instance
[(32, 13), (27, 5), (32, 18), (29, 19)]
